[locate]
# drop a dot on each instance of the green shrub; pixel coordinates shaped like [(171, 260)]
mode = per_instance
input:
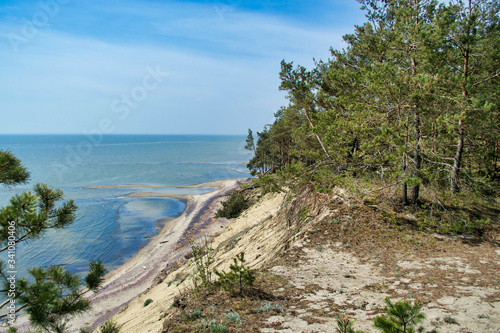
[(147, 302), (450, 320), (402, 317), (215, 328), (205, 324), (110, 327), (239, 276), (202, 259), (268, 184), (233, 206), (266, 307), (193, 315), (233, 317)]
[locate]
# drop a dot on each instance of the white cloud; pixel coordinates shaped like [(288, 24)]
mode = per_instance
[(223, 74)]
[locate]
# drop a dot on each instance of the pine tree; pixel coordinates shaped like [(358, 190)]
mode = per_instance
[(52, 295), (239, 275), (412, 99), (402, 317), (12, 173), (250, 142)]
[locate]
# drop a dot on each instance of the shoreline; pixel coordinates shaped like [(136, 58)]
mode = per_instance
[(124, 283), (213, 183)]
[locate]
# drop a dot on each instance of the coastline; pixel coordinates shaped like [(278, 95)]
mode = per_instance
[(214, 183), (126, 282)]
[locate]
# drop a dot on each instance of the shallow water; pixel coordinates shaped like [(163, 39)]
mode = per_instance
[(111, 226)]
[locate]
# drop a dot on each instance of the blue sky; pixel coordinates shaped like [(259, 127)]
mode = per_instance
[(158, 67)]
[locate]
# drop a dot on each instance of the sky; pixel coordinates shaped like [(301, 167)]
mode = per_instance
[(157, 67)]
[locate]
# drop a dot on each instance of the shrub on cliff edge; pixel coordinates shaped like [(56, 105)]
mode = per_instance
[(233, 206)]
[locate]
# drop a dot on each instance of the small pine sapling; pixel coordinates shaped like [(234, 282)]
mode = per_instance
[(345, 325), (402, 317), (202, 258), (110, 327), (240, 275)]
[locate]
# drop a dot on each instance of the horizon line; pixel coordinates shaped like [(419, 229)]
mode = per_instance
[(111, 134)]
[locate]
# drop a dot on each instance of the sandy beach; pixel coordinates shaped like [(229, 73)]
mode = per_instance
[(137, 275)]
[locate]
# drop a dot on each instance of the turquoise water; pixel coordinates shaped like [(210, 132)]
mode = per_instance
[(111, 226)]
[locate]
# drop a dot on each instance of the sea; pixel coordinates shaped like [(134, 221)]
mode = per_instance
[(110, 226)]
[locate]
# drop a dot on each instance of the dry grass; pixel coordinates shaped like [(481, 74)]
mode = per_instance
[(267, 296)]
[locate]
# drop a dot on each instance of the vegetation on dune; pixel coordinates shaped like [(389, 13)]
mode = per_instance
[(411, 105), (400, 317), (233, 206), (405, 118), (239, 276)]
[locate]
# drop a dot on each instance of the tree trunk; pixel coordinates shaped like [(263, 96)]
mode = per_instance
[(415, 191), (455, 172), (458, 159), (405, 163), (405, 185), (317, 136), (405, 194)]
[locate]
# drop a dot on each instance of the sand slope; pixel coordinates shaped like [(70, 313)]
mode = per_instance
[(255, 222), (346, 266)]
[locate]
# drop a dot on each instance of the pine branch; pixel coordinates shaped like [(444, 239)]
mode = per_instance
[(488, 79), (16, 311), (16, 241)]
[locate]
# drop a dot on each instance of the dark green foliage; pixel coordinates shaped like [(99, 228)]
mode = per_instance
[(12, 173), (53, 295), (268, 184), (217, 328), (233, 206), (250, 142), (412, 102), (35, 213), (95, 276), (194, 315), (239, 275), (450, 320), (147, 302), (110, 327), (402, 317)]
